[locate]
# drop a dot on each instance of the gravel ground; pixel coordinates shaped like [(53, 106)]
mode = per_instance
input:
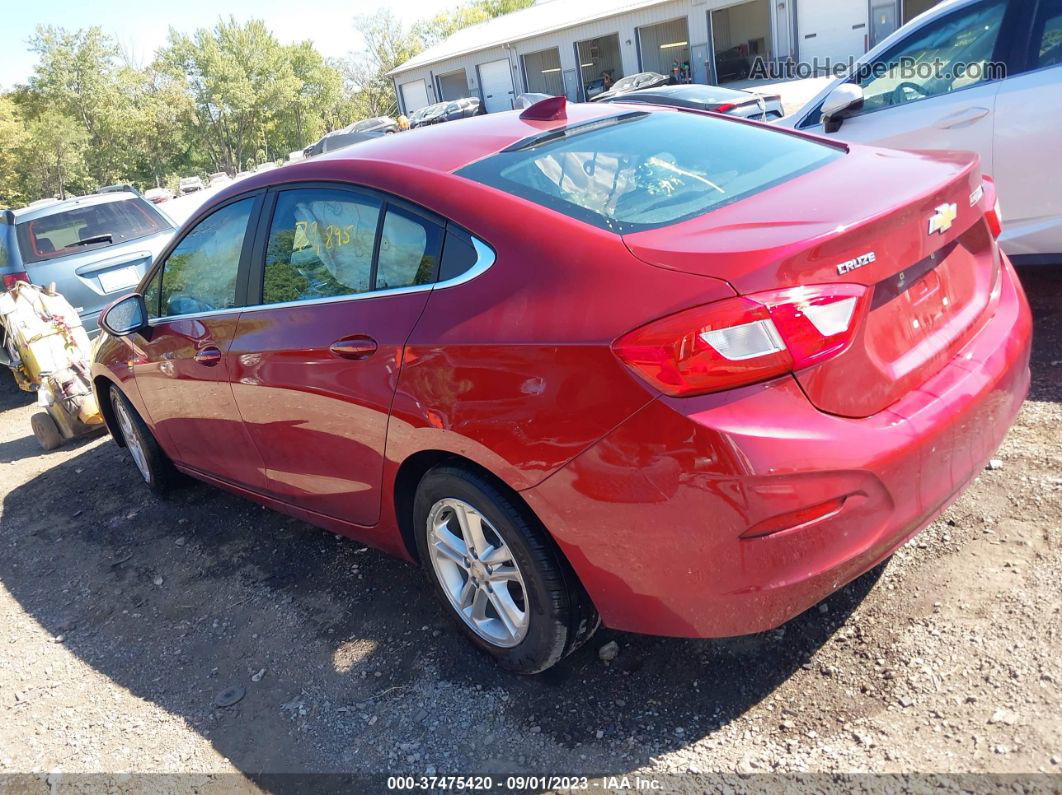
[(125, 624)]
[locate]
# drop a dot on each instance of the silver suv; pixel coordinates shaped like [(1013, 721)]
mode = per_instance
[(93, 247)]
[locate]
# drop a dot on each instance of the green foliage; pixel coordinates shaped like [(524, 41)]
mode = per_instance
[(221, 99)]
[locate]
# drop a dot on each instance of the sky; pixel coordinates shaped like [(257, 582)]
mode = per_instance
[(141, 27)]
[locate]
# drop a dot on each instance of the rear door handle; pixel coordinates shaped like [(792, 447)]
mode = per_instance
[(962, 118), (358, 347), (209, 356)]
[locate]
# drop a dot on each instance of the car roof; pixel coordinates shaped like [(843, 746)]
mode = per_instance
[(441, 147), (693, 92), (30, 213)]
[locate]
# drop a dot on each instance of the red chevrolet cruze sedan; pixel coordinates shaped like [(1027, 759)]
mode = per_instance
[(675, 372)]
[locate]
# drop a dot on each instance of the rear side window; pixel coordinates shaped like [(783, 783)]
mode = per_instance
[(5, 258), (646, 170), (85, 228), (320, 245), (327, 243), (409, 251), (200, 273)]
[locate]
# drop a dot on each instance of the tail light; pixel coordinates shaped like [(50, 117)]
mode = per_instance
[(726, 107), (994, 216), (743, 340), (11, 279)]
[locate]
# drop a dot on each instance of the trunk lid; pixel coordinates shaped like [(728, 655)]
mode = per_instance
[(908, 226)]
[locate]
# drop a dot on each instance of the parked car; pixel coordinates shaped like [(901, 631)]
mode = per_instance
[(633, 83), (219, 178), (359, 131), (732, 64), (94, 248), (716, 384), (158, 195), (747, 104), (445, 111), (595, 87), (523, 101), (189, 185), (990, 82)]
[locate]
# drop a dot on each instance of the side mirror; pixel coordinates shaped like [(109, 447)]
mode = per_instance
[(125, 316), (842, 102)]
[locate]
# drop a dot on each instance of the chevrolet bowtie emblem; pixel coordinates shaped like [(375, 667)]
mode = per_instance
[(943, 218)]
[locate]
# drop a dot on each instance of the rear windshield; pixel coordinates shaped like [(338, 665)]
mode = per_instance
[(641, 171), (85, 228)]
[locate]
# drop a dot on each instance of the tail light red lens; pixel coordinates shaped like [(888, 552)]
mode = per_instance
[(11, 279), (994, 218), (743, 340)]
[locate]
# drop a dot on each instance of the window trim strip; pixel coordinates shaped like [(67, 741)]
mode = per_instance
[(485, 258)]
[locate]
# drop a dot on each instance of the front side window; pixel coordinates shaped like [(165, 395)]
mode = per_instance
[(641, 171), (1047, 38), (947, 55), (200, 273), (85, 228), (320, 245)]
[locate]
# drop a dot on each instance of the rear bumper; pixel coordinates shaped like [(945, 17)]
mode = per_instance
[(651, 517)]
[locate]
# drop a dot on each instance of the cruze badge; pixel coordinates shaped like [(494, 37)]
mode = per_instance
[(943, 218), (858, 262)]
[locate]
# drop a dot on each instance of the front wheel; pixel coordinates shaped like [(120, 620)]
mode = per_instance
[(496, 572), (151, 462)]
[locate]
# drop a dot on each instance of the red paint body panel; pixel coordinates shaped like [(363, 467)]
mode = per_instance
[(646, 496), (320, 421), (192, 404), (670, 492)]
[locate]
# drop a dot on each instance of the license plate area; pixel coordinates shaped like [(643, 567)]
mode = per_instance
[(119, 279)]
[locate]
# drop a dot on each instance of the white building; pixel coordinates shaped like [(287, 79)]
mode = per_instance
[(561, 46)]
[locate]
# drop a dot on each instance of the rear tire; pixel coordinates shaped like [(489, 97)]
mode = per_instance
[(505, 584), (46, 431), (153, 465)]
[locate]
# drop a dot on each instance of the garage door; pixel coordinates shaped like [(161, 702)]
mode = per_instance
[(414, 95), (834, 31), (453, 85), (496, 83)]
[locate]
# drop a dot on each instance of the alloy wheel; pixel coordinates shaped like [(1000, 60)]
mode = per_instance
[(477, 572), (132, 438)]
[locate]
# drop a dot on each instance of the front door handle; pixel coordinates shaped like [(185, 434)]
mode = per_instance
[(209, 356), (358, 347), (962, 118)]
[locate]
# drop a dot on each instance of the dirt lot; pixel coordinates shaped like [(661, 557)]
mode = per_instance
[(123, 621)]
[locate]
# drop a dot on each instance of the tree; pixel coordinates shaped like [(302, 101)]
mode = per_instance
[(435, 29), (79, 76), (12, 139), (239, 77), (53, 156)]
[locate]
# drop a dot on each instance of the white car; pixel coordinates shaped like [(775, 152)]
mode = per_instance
[(189, 185), (980, 75)]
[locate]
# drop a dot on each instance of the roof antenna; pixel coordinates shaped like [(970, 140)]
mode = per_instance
[(546, 110)]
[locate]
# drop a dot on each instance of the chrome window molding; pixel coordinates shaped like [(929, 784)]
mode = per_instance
[(485, 258)]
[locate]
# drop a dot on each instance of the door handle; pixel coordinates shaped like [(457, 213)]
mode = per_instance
[(359, 347), (209, 356), (962, 118)]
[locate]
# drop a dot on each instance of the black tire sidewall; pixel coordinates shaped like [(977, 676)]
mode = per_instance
[(158, 471), (545, 594)]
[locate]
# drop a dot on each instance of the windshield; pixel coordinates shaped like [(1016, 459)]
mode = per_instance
[(647, 170), (86, 228)]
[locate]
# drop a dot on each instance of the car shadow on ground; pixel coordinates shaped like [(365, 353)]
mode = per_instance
[(1043, 285), (177, 601)]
